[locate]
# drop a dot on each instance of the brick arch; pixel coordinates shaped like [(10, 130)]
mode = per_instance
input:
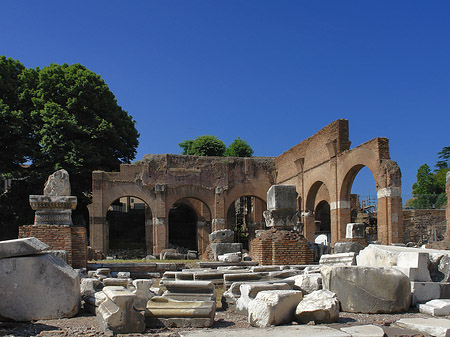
[(113, 193), (254, 190), (205, 195), (307, 217)]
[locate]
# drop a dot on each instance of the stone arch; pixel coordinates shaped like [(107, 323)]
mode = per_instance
[(317, 192), (200, 229), (136, 215), (387, 177)]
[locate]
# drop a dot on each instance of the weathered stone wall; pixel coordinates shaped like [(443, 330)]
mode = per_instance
[(323, 167), (424, 225), (61, 237)]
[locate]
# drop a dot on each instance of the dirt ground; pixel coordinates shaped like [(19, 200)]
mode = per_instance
[(86, 325)]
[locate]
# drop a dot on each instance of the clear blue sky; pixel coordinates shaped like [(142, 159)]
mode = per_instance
[(271, 72)]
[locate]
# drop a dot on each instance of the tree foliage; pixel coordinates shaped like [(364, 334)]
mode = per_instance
[(60, 116), (211, 146), (429, 189), (204, 146), (239, 148)]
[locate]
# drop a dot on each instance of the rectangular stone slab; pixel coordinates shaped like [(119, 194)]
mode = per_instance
[(21, 247)]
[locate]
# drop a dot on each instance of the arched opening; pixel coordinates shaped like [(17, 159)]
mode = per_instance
[(245, 217), (360, 190), (323, 220), (130, 228), (316, 217), (189, 225)]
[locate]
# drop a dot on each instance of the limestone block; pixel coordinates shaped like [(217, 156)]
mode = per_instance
[(435, 308), (120, 282), (172, 256), (342, 259), (190, 290), (355, 231), (230, 257), (117, 314), (258, 269), (142, 292), (224, 248), (103, 271), (281, 197), (92, 302), (124, 274), (445, 290), (433, 326), (444, 268), (273, 307), (230, 297), (61, 254), (282, 274), (425, 291), (224, 235), (347, 247), (38, 287), (21, 247), (364, 331), (169, 312), (249, 292), (368, 289), (417, 260), (377, 256), (320, 306), (242, 277), (308, 282), (90, 286), (184, 276), (57, 184)]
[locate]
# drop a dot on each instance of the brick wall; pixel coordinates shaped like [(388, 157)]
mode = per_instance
[(423, 225), (71, 239), (277, 248)]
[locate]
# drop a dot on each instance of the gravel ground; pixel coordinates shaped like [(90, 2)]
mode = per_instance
[(86, 325)]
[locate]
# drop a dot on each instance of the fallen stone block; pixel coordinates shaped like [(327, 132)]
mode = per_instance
[(417, 261), (425, 291), (273, 307), (355, 231), (435, 308), (163, 311), (308, 282), (320, 306), (142, 292), (222, 235), (90, 286), (214, 276), (259, 269), (249, 292), (224, 248), (92, 302), (190, 290), (118, 282), (364, 331), (117, 313), (377, 256), (230, 257), (38, 287), (438, 327), (347, 247), (229, 279), (342, 259), (21, 247), (368, 289)]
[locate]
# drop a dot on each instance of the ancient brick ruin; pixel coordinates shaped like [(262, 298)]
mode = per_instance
[(322, 168)]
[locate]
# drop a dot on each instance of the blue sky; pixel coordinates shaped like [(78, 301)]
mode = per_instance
[(271, 72)]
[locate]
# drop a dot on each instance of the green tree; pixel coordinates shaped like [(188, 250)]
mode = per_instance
[(424, 190), (239, 148), (61, 116), (204, 146)]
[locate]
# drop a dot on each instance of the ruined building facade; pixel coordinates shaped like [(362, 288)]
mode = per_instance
[(322, 167)]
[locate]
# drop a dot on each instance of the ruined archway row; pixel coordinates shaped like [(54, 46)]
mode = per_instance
[(321, 167)]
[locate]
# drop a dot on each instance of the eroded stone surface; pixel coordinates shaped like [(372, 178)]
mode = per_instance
[(21, 247), (38, 287), (321, 306), (438, 327)]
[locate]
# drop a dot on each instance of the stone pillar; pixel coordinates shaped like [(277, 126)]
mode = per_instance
[(309, 226), (98, 228), (343, 218), (389, 215), (218, 221), (148, 231), (447, 212), (203, 236), (160, 225)]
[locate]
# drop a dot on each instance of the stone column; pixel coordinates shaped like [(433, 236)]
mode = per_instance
[(218, 221), (309, 226), (98, 228), (160, 225), (389, 215), (340, 214)]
